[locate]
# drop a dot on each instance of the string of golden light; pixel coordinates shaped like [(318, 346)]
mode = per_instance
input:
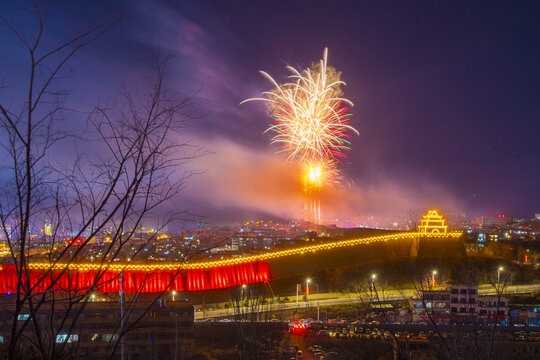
[(240, 260)]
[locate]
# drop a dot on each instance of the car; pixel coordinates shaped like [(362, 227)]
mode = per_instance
[(290, 350), (299, 355), (323, 333)]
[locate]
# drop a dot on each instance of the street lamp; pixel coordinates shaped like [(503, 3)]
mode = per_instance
[(173, 294), (499, 275), (318, 308), (373, 277), (307, 287)]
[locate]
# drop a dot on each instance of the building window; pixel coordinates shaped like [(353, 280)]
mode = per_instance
[(472, 301), (463, 300), (472, 291), (62, 338), (110, 337), (471, 310), (463, 291), (454, 309), (462, 310), (454, 291), (454, 300)]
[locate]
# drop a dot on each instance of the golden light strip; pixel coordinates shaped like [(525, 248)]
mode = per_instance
[(245, 259)]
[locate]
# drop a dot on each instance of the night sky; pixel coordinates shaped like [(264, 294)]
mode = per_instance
[(446, 94)]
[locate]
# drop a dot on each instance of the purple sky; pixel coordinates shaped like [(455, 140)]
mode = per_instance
[(446, 96)]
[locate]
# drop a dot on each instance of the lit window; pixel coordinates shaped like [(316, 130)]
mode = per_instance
[(62, 338), (23, 317), (110, 337)]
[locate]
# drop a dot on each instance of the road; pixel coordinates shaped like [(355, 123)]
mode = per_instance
[(298, 340), (326, 299)]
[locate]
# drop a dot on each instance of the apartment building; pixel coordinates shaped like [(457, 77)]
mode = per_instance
[(458, 303), (154, 330)]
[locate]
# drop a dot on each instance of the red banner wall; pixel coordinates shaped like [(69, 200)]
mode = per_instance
[(137, 280)]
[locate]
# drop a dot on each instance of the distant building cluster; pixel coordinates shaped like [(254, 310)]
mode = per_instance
[(513, 239), (266, 234), (516, 238)]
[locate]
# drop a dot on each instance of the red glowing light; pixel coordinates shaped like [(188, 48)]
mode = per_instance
[(76, 241), (140, 280), (298, 328)]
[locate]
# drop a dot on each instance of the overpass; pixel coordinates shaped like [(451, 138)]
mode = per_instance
[(328, 299)]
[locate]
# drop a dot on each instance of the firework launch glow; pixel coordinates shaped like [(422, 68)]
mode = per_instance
[(318, 175), (311, 122)]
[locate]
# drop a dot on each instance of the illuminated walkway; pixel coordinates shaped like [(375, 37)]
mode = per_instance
[(250, 258)]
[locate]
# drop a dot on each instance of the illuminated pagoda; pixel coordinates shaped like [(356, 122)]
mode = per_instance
[(432, 223)]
